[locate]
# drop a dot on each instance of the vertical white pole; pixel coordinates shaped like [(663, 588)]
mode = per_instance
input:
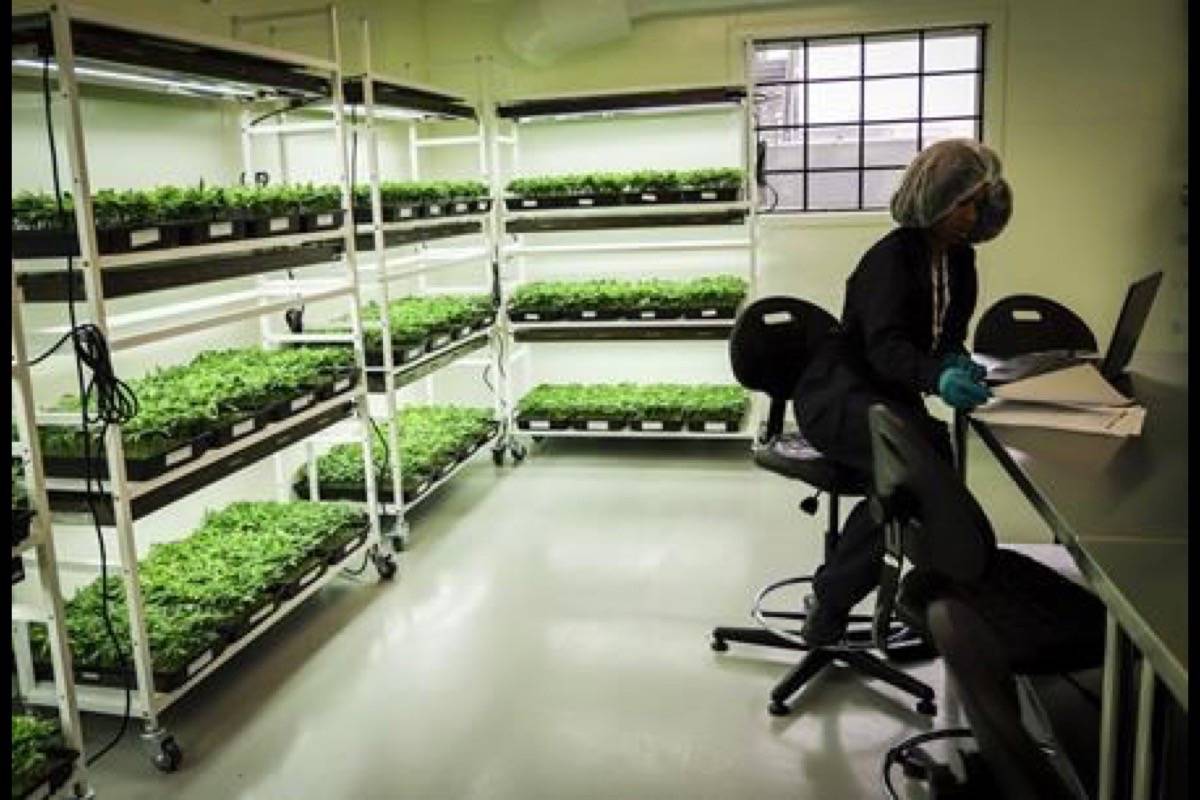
[(90, 263)]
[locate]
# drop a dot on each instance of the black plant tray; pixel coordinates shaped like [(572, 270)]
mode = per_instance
[(278, 225), (163, 681), (311, 222), (438, 209), (599, 425), (400, 354), (251, 619), (655, 426), (60, 242), (22, 518), (715, 312), (542, 425), (341, 382), (709, 426), (283, 409), (239, 428), (197, 233), (589, 315), (651, 197), (710, 195), (136, 469), (546, 315), (304, 576), (465, 207), (651, 314), (346, 542), (60, 764), (439, 341)]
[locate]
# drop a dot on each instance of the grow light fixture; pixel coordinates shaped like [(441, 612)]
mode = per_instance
[(655, 111), (170, 85), (380, 112)]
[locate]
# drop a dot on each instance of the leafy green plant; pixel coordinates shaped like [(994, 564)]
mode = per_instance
[(414, 320), (32, 740), (628, 298), (20, 496), (606, 183), (627, 401)]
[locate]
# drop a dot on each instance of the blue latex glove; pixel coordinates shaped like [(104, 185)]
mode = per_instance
[(978, 371), (959, 390)]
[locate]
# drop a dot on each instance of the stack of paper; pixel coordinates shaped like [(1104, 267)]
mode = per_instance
[(1076, 398)]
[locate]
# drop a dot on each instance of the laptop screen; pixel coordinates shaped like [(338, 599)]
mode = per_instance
[(1129, 325)]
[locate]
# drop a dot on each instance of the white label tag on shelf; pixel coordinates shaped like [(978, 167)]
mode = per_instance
[(652, 426), (588, 314), (714, 426), (242, 428), (406, 213), (144, 236), (200, 663), (532, 316), (434, 210), (529, 204), (708, 312), (441, 340), (302, 402), (708, 195), (597, 425), (647, 315), (182, 454), (280, 224), (219, 230), (342, 385), (324, 220), (262, 614), (539, 425), (414, 352), (465, 331), (586, 201), (460, 207), (481, 205), (649, 198), (89, 676)]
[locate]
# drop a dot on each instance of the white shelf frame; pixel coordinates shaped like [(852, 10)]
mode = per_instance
[(62, 16), (40, 544), (515, 248)]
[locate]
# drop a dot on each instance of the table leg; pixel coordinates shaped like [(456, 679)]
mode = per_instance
[(1143, 758), (1110, 710)]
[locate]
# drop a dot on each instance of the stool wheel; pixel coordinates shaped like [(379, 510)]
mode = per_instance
[(719, 645), (809, 505), (927, 707), (779, 709)]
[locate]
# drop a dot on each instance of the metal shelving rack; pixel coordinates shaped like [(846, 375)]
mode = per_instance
[(141, 56), (521, 225), (40, 544)]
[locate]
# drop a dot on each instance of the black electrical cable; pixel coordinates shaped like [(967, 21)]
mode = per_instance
[(900, 751), (293, 105), (113, 401)]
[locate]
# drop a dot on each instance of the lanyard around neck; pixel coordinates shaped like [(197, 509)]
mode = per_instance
[(941, 298)]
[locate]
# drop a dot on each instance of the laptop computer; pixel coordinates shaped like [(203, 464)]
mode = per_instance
[(1130, 323)]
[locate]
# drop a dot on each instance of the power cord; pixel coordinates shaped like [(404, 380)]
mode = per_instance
[(917, 764), (115, 404), (293, 104)]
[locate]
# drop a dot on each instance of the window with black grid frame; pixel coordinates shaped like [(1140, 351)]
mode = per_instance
[(840, 117)]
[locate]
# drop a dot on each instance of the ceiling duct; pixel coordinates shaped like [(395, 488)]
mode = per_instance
[(543, 31)]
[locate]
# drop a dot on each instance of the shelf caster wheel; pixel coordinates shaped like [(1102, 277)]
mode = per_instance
[(518, 452), (779, 709), (719, 645), (498, 456), (169, 756), (927, 707), (385, 565)]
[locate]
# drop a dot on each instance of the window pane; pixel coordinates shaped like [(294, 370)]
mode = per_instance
[(950, 129), (878, 187), (781, 105), (783, 192), (833, 102), (951, 50), (949, 96), (833, 147), (834, 59), (785, 149), (894, 98), (890, 56), (889, 145), (831, 191), (778, 64)]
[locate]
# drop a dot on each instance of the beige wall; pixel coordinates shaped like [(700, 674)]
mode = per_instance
[(1087, 102)]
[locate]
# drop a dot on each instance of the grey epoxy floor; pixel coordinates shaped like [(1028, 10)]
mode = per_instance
[(547, 638)]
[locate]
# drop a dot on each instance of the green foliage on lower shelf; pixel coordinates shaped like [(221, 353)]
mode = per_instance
[(722, 293), (32, 740), (604, 183), (415, 320), (431, 438), (408, 192), (575, 402), (195, 588), (177, 404)]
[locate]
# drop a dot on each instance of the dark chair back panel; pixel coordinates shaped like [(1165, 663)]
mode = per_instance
[(773, 341), (1026, 323), (946, 530)]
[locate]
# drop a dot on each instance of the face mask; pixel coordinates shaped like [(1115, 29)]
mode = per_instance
[(992, 213)]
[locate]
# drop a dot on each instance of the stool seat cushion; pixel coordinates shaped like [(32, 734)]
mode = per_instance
[(1047, 623), (791, 456)]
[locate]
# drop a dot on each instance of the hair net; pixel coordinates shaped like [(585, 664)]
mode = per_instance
[(942, 176)]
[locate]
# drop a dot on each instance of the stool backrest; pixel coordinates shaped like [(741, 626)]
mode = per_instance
[(940, 526), (1027, 323), (772, 343)]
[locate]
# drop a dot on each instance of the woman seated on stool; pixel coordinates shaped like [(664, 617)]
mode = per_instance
[(903, 324)]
